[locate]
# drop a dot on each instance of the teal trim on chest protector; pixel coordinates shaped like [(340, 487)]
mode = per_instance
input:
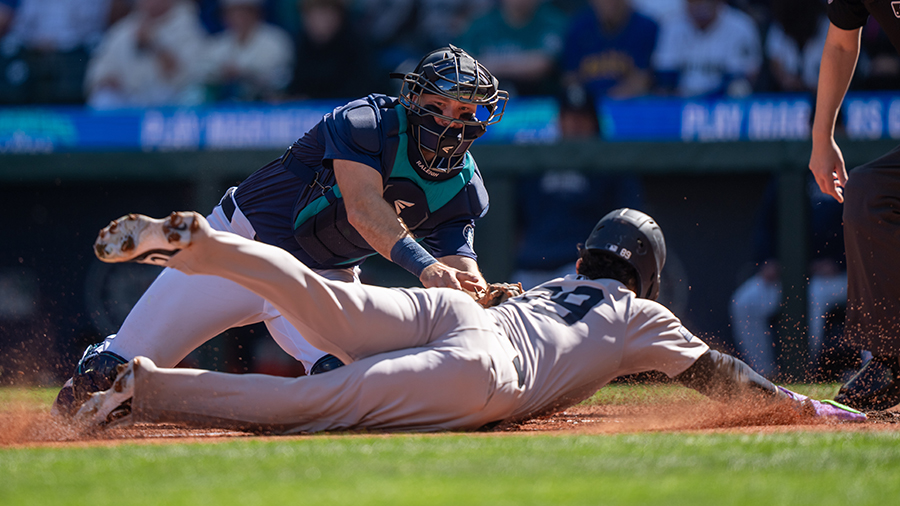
[(315, 207), (437, 193)]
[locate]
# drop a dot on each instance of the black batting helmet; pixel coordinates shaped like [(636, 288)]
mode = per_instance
[(636, 238), (452, 73)]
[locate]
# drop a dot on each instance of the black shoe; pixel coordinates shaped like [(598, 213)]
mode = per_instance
[(325, 364), (875, 387), (95, 372)]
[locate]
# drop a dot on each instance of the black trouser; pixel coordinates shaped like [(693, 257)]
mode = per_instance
[(872, 242)]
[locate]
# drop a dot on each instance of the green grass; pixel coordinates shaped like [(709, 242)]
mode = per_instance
[(795, 469), (815, 468), (34, 398)]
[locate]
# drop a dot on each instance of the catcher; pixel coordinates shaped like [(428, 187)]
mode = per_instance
[(376, 176), (425, 360)]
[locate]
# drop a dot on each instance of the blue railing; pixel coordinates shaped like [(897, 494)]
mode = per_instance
[(527, 120)]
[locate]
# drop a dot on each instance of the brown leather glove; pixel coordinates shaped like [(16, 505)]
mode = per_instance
[(498, 293)]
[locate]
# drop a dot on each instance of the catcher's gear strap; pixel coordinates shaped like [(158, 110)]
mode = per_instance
[(724, 378)]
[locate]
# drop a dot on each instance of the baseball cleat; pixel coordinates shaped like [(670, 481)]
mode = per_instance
[(139, 238), (95, 372), (875, 387), (111, 407), (829, 410)]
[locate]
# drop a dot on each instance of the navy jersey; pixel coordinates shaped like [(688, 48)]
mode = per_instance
[(295, 203), (853, 14)]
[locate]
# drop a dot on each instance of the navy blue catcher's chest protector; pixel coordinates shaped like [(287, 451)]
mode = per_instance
[(320, 220)]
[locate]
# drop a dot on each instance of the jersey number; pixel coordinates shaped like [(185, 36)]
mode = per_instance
[(577, 303)]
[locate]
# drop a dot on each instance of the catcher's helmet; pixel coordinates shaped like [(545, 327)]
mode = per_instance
[(636, 238), (452, 73)]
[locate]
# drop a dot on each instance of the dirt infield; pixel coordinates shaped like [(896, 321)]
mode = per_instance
[(26, 427)]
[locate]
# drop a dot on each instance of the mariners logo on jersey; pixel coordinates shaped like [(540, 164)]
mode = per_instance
[(469, 232)]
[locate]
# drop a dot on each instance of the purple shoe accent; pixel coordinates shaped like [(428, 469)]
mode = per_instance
[(826, 409)]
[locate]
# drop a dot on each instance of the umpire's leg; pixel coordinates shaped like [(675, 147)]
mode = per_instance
[(872, 242)]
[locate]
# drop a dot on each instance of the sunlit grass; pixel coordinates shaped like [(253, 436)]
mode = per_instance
[(814, 468)]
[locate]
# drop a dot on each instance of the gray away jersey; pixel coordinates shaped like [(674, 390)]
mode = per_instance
[(575, 335)]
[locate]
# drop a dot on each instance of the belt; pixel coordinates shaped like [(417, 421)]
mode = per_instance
[(227, 204)]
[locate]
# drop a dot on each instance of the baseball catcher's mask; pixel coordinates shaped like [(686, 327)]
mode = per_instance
[(636, 238), (451, 73)]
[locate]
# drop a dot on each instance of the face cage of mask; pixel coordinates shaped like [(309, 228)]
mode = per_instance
[(448, 144), (415, 85), (432, 138)]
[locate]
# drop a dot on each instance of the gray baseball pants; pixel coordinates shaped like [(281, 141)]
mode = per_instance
[(416, 359)]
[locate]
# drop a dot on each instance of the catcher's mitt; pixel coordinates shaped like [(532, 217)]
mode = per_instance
[(498, 293)]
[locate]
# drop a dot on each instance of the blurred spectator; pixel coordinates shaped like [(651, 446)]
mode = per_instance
[(442, 21), (756, 303), (709, 48), (390, 27), (281, 13), (400, 31), (7, 9), (118, 9), (251, 59), (794, 44), (284, 14), (210, 13), (47, 47), (556, 209), (608, 49), (520, 41), (879, 63), (332, 61), (761, 10), (658, 9), (151, 57)]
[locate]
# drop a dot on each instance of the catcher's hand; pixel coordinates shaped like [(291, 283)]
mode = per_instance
[(498, 293)]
